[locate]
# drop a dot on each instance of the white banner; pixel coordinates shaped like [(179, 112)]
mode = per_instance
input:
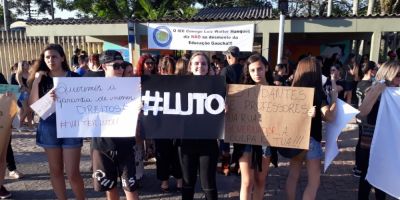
[(384, 161), (97, 107), (200, 38), (344, 113)]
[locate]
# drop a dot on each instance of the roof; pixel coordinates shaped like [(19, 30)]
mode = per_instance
[(206, 14), (234, 13)]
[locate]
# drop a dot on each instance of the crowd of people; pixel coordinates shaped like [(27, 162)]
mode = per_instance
[(357, 83)]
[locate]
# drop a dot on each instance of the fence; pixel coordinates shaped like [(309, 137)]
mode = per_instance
[(16, 46)]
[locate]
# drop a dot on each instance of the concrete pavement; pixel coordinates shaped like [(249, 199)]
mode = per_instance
[(337, 183)]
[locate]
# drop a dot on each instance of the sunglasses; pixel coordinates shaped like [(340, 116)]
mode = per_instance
[(117, 66), (149, 63)]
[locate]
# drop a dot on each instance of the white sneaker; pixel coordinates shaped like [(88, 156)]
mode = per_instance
[(15, 174)]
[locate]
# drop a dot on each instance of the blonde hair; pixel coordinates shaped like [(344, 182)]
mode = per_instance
[(388, 71), (181, 67), (20, 70)]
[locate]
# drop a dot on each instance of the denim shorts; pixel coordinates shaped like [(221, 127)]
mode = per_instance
[(265, 149), (46, 135), (315, 150)]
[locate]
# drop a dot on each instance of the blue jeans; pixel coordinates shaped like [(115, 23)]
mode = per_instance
[(265, 149), (315, 150), (46, 135)]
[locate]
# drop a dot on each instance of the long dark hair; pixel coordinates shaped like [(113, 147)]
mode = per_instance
[(246, 79), (40, 64)]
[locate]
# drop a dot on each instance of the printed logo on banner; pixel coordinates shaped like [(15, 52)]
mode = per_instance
[(162, 36)]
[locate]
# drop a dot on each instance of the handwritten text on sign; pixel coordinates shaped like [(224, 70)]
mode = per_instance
[(97, 107), (269, 115)]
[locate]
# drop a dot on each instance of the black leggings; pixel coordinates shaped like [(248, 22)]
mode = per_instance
[(204, 160), (364, 187), (167, 159)]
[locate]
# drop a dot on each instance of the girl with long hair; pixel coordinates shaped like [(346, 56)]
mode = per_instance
[(388, 75), (308, 74), (254, 160), (62, 153), (199, 155), (25, 113)]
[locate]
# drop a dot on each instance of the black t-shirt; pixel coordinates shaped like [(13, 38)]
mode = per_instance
[(282, 79), (3, 80), (94, 73), (46, 84), (328, 87), (373, 114), (316, 122), (13, 79), (232, 73), (361, 87)]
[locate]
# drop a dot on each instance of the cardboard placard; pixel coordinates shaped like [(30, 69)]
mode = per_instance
[(269, 115), (8, 109)]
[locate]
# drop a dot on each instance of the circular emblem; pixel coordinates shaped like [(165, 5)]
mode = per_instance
[(162, 36)]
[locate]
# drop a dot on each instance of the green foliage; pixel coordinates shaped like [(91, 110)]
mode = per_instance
[(30, 7), (107, 9), (118, 9)]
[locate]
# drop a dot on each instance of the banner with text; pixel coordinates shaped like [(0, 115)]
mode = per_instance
[(189, 107), (200, 38), (268, 115), (97, 107)]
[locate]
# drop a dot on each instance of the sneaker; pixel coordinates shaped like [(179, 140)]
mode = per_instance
[(4, 193), (15, 174)]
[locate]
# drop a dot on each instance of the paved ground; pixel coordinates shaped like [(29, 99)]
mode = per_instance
[(337, 183)]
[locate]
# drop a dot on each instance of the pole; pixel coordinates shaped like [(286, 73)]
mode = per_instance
[(355, 7), (52, 9), (281, 37), (370, 7), (329, 12)]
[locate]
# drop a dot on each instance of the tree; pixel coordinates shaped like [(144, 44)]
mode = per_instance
[(390, 6), (11, 17), (165, 8), (117, 9), (31, 7)]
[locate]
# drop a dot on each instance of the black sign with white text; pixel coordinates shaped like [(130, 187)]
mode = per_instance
[(182, 107)]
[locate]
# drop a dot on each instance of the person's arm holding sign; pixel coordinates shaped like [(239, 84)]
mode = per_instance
[(328, 111), (34, 96), (371, 96)]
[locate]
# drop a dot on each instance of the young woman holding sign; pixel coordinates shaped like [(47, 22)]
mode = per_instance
[(167, 158), (388, 75), (199, 155), (254, 160), (308, 74), (61, 152)]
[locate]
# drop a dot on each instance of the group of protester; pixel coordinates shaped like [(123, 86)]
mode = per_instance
[(123, 158)]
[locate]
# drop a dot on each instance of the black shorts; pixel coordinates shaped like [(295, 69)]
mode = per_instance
[(108, 166)]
